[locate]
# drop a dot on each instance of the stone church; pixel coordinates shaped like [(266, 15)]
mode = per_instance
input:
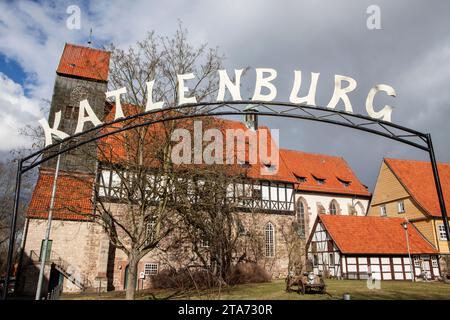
[(81, 257)]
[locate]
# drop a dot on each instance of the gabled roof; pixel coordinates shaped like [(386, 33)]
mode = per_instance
[(374, 235), (114, 147), (72, 200), (335, 172), (417, 178), (84, 62)]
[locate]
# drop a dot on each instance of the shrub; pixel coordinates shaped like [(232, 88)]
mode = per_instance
[(248, 273)]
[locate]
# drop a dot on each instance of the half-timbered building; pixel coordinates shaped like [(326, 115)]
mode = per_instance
[(352, 247), (81, 255), (406, 188)]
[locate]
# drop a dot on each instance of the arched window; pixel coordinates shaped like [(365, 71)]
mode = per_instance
[(301, 218), (270, 240), (360, 211), (334, 208)]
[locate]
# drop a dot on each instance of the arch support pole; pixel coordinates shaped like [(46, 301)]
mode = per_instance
[(440, 193), (12, 235)]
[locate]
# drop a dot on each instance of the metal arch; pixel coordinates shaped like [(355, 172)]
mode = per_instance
[(207, 109), (288, 110)]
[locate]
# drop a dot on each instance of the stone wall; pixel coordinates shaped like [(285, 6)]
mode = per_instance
[(85, 249), (67, 93), (75, 245)]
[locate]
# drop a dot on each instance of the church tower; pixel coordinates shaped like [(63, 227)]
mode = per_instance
[(82, 74)]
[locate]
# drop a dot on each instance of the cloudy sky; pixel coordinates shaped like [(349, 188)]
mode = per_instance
[(411, 52)]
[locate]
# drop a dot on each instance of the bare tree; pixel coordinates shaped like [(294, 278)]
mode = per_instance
[(207, 204), (295, 252), (138, 161), (7, 187)]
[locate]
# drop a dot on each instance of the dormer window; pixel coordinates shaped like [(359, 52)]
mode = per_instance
[(300, 178), (345, 183), (319, 180)]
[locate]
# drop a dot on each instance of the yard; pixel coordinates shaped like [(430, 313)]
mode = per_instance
[(391, 290)]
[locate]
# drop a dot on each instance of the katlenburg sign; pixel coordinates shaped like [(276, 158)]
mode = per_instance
[(343, 85)]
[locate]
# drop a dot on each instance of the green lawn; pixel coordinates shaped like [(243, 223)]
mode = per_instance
[(275, 291)]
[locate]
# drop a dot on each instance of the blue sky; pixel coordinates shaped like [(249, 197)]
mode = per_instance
[(411, 52)]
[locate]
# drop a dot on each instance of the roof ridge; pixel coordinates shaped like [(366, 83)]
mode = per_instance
[(84, 47), (312, 153), (415, 160)]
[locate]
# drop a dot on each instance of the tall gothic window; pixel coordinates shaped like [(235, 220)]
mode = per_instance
[(333, 208), (301, 225), (270, 240)]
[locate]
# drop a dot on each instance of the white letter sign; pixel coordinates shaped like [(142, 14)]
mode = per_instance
[(225, 82), (265, 82), (341, 93), (150, 104), (82, 119), (310, 99), (182, 89), (52, 131), (116, 94), (385, 113)]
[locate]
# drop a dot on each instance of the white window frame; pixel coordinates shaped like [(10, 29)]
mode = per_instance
[(150, 269), (401, 206), (383, 211), (441, 232), (269, 239)]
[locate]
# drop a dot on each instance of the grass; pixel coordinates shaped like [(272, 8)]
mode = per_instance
[(390, 290)]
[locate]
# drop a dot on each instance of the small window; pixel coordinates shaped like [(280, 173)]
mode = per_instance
[(71, 112), (204, 243), (331, 260), (319, 180), (417, 262), (401, 206), (434, 262), (256, 194), (315, 260), (345, 183), (300, 178), (151, 269), (383, 211), (442, 234)]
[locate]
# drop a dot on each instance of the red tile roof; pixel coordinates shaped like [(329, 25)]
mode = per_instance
[(334, 170), (72, 200), (374, 235), (417, 178), (113, 146), (84, 62)]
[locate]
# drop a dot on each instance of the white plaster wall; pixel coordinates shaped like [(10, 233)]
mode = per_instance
[(325, 199)]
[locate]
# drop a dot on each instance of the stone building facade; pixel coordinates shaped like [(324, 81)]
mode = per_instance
[(81, 256)]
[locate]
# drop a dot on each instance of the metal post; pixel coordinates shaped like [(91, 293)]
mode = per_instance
[(439, 188), (405, 226), (12, 235), (47, 233)]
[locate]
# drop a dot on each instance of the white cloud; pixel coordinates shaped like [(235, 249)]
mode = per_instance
[(16, 110), (330, 37)]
